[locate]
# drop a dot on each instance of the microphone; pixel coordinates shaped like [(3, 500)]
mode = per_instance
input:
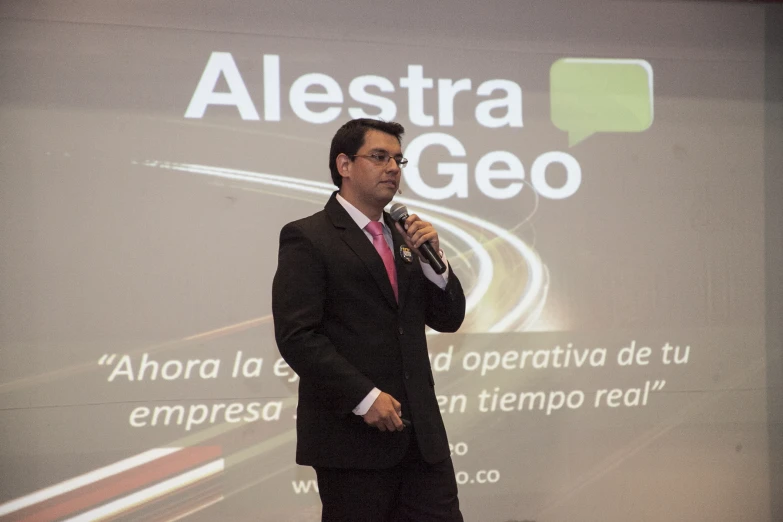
[(399, 214)]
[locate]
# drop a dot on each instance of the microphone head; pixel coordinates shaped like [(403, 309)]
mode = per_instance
[(398, 211)]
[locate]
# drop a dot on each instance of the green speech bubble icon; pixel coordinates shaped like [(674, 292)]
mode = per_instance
[(589, 95)]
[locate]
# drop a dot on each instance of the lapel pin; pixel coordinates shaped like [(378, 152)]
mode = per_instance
[(405, 254)]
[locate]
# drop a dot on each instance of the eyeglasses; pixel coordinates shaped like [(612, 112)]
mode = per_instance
[(382, 158)]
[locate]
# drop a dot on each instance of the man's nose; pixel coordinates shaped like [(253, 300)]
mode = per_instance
[(391, 166)]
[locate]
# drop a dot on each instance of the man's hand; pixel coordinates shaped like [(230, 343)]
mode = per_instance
[(384, 413), (416, 232)]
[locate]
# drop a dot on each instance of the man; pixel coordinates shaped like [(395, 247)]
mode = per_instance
[(350, 300)]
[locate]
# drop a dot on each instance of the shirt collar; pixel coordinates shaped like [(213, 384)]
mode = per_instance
[(358, 217)]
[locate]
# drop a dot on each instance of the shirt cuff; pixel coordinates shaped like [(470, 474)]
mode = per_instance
[(364, 406), (439, 279)]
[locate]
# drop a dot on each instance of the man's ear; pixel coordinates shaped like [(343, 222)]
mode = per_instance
[(343, 163)]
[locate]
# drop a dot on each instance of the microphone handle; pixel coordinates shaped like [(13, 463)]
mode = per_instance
[(436, 262)]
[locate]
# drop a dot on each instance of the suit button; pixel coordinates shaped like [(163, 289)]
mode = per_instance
[(400, 330), (407, 375)]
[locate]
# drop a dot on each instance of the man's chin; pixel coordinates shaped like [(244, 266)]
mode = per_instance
[(386, 196)]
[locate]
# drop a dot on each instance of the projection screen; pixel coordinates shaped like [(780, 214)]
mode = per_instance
[(604, 179)]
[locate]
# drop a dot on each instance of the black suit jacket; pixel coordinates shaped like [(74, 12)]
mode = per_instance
[(339, 327)]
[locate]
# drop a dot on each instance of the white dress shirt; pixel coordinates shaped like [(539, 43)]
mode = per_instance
[(439, 279)]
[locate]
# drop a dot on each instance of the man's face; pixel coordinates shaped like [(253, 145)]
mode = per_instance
[(374, 183)]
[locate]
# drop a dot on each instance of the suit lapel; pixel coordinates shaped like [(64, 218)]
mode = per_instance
[(403, 267), (357, 241)]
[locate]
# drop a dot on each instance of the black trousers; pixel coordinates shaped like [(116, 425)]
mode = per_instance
[(413, 490)]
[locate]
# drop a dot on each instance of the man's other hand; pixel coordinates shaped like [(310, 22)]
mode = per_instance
[(385, 413)]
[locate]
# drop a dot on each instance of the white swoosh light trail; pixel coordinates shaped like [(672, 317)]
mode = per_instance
[(532, 299)]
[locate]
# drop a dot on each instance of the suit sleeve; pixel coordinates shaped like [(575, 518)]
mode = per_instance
[(445, 308), (298, 299)]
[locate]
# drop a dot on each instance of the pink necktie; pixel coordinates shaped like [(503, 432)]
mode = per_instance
[(375, 228)]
